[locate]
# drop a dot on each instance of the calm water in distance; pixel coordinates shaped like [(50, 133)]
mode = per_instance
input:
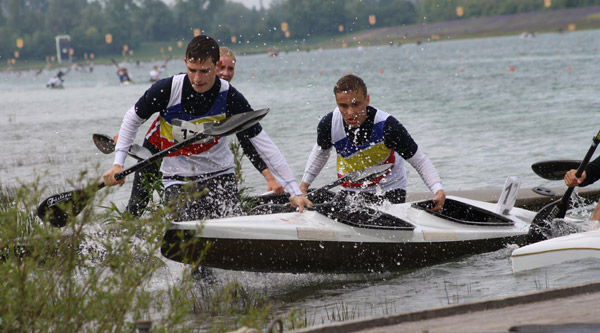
[(481, 109)]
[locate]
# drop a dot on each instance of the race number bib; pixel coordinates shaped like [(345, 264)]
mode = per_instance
[(183, 130), (509, 195)]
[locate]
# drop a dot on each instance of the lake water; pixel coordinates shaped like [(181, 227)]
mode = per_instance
[(481, 109)]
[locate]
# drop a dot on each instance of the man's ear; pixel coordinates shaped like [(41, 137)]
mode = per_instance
[(368, 99)]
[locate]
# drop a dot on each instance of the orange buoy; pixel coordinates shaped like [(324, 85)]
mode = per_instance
[(511, 68)]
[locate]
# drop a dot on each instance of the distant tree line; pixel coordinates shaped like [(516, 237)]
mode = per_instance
[(446, 10), (29, 27)]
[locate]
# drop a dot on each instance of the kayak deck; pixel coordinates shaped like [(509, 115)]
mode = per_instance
[(557, 250), (328, 240)]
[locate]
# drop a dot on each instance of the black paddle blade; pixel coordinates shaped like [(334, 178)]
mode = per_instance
[(541, 226), (57, 208), (554, 169), (104, 143), (542, 223)]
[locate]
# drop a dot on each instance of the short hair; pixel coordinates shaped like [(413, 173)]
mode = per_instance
[(225, 52), (201, 48), (350, 83)]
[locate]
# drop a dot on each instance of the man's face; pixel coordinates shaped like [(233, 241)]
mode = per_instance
[(226, 68), (353, 106), (201, 74)]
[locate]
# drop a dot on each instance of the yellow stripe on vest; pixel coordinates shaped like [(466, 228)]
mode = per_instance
[(363, 159), (166, 129)]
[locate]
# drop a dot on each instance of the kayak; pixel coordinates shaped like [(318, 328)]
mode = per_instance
[(557, 250), (337, 238)]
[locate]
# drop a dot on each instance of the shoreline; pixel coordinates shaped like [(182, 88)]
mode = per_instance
[(550, 21)]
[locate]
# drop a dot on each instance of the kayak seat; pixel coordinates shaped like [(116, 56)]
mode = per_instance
[(363, 217), (460, 212)]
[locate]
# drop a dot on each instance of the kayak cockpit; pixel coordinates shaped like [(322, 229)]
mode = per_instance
[(461, 212)]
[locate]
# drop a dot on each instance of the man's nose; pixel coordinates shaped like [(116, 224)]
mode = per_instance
[(195, 76)]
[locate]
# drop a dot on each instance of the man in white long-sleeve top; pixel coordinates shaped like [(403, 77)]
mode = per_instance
[(364, 136), (197, 97)]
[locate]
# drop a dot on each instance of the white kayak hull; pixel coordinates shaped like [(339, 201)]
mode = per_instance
[(410, 237), (557, 250)]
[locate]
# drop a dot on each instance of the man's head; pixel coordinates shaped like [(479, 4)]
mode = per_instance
[(352, 99), (201, 59), (226, 65)]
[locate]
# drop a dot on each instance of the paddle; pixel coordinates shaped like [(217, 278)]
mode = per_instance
[(54, 208), (557, 209), (355, 177), (554, 169), (106, 144), (165, 62), (115, 63)]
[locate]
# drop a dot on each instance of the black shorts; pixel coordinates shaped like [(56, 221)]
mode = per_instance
[(213, 198)]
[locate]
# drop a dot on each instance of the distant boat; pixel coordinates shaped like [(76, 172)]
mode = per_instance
[(528, 34)]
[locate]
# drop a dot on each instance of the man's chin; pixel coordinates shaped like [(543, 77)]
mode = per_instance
[(200, 89)]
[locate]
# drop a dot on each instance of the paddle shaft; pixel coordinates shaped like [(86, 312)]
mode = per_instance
[(564, 201), (158, 156), (166, 60), (339, 181), (50, 209), (58, 217), (357, 176), (540, 225)]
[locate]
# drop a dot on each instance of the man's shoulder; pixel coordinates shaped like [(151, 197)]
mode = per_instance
[(326, 119), (163, 83)]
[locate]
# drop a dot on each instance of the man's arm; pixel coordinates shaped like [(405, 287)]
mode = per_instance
[(319, 154), (397, 137), (261, 166), (316, 162), (592, 172), (154, 99)]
